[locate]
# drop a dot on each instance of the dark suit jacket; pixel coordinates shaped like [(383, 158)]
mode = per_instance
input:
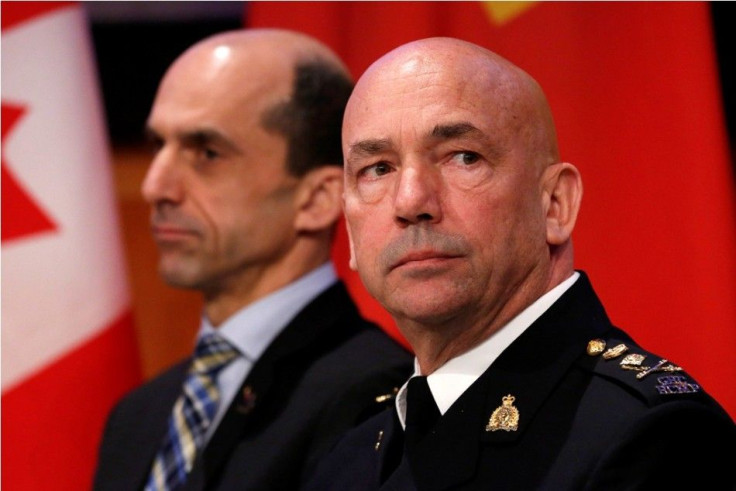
[(584, 423), (319, 377)]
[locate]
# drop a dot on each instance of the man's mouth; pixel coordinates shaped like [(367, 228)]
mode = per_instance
[(423, 259), (170, 233)]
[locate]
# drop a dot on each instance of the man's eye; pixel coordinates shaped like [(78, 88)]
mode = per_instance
[(210, 154), (376, 170), (382, 168), (467, 158)]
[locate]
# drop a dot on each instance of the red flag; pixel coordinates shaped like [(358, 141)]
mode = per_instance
[(68, 345), (634, 87)]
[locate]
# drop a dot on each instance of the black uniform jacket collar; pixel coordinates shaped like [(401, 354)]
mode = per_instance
[(528, 370)]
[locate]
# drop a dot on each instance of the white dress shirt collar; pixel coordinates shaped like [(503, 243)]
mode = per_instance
[(254, 327), (448, 382)]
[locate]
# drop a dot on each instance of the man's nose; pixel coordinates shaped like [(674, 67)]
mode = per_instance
[(163, 180), (418, 195)]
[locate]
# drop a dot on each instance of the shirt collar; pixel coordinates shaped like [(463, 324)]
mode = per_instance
[(448, 382), (252, 328)]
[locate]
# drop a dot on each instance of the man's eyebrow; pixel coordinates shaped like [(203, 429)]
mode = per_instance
[(366, 148), (453, 130), (205, 136), (197, 137)]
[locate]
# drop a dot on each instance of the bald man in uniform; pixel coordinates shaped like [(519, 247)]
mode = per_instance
[(245, 192), (460, 213)]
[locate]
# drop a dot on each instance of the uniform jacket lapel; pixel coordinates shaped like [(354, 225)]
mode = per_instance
[(528, 370)]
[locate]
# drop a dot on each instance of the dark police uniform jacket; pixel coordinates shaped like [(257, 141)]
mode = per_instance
[(312, 383), (586, 421)]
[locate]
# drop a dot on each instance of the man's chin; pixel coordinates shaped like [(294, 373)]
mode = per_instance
[(179, 277), (428, 310)]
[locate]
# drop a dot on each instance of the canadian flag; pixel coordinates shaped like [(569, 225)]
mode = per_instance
[(68, 344)]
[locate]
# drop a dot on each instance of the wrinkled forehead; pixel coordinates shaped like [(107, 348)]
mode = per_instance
[(414, 93)]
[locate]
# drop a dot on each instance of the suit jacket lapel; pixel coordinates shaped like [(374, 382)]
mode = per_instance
[(269, 383)]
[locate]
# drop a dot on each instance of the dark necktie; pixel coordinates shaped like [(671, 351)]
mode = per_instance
[(421, 412), (192, 414)]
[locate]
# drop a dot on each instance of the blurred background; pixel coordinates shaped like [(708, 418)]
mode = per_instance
[(134, 44), (644, 96)]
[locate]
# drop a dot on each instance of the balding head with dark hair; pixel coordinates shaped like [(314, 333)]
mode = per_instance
[(312, 119), (245, 186), (245, 190)]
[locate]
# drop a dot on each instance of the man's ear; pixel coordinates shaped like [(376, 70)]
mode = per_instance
[(562, 193), (319, 199)]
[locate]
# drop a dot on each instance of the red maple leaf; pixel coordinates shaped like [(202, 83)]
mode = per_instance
[(21, 216)]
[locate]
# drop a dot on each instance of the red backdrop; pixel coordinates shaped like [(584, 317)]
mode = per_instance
[(634, 88)]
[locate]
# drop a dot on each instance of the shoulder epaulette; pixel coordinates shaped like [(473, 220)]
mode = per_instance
[(654, 378)]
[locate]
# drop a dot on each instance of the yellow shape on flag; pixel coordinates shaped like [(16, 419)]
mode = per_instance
[(502, 12)]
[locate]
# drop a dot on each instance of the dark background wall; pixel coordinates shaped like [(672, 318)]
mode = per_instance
[(725, 36), (136, 41)]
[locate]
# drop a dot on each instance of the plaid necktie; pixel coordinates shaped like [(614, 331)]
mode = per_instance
[(192, 414)]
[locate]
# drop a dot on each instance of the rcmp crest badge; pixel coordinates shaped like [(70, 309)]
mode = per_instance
[(505, 417)]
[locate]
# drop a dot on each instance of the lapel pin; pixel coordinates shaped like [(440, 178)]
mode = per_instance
[(247, 400), (615, 352), (595, 347), (505, 417)]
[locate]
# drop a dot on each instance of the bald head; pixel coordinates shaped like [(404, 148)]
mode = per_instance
[(458, 209), (478, 78), (278, 47), (293, 84), (271, 55)]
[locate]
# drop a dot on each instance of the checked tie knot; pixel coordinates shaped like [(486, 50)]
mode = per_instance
[(192, 415), (212, 354)]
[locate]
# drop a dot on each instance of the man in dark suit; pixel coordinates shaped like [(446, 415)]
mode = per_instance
[(460, 213), (245, 191)]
